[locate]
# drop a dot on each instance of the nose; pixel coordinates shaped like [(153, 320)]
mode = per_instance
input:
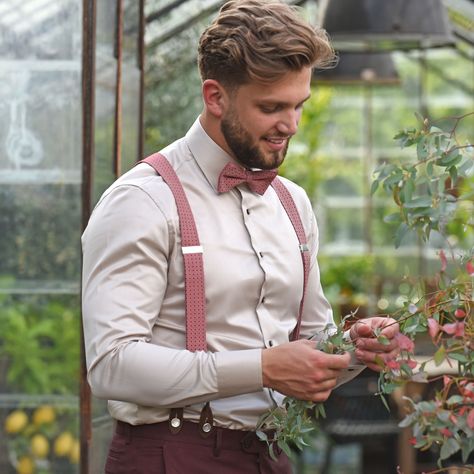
[(288, 124)]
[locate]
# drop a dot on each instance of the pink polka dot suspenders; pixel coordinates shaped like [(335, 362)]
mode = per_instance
[(194, 285)]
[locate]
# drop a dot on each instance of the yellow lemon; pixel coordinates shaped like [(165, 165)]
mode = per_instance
[(63, 444), (43, 415), (25, 465), (16, 421), (75, 453), (39, 446)]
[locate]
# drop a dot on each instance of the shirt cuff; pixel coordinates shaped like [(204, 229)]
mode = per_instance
[(239, 372)]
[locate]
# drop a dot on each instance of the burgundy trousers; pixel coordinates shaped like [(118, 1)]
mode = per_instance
[(153, 449)]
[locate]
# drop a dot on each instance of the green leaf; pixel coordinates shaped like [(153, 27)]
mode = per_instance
[(394, 217), (440, 355), (423, 201), (454, 400), (467, 448), (374, 187), (448, 448), (408, 420), (400, 233), (383, 340)]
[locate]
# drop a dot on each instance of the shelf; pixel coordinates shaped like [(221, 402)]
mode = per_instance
[(14, 400), (52, 176), (40, 65), (40, 287)]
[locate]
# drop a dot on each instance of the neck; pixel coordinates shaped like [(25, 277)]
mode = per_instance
[(212, 127)]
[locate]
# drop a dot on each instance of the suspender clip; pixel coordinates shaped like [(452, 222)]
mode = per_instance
[(304, 248), (192, 249)]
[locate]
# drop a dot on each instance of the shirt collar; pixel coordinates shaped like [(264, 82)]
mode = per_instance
[(209, 156)]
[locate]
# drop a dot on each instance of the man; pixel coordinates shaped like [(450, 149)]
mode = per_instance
[(255, 60)]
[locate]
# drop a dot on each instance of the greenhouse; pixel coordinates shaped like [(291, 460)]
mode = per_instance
[(384, 151)]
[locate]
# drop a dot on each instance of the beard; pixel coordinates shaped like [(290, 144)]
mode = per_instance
[(246, 152)]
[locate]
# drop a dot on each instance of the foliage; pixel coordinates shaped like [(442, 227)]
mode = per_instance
[(41, 440), (288, 426), (427, 191), (40, 341), (428, 194), (40, 228)]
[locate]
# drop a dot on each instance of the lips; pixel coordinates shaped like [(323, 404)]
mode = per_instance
[(276, 143)]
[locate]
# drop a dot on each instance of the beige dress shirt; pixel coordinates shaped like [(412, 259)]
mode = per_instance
[(133, 291)]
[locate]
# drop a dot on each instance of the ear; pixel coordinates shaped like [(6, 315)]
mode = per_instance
[(215, 97)]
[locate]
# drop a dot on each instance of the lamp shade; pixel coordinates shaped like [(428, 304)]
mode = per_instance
[(386, 25), (357, 68)]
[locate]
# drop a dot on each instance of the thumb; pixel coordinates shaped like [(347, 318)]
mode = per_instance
[(363, 329)]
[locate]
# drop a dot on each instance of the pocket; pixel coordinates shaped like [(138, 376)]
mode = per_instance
[(139, 456), (118, 457)]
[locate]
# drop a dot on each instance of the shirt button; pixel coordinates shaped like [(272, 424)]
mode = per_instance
[(206, 427), (261, 254), (248, 211), (263, 300)]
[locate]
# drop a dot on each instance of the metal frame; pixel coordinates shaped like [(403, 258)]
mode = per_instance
[(88, 121)]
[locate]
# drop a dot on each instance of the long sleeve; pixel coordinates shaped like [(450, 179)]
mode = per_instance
[(126, 249)]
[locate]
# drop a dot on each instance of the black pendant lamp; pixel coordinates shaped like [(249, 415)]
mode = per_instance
[(386, 25), (360, 68)]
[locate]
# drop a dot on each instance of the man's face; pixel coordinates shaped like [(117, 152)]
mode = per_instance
[(261, 118)]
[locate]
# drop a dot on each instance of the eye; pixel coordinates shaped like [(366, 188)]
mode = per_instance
[(269, 109)]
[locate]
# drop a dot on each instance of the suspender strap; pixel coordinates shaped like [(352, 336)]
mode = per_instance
[(195, 300), (290, 208)]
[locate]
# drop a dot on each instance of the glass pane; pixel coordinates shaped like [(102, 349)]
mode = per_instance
[(40, 224), (39, 383), (40, 227), (106, 65), (130, 87)]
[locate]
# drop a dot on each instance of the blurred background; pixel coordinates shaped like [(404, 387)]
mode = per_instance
[(89, 87)]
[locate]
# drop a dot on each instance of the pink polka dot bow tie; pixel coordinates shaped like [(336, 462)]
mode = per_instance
[(232, 175)]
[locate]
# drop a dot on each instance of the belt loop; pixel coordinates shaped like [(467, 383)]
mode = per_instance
[(218, 442)]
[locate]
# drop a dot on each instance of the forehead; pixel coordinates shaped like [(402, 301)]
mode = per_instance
[(293, 87)]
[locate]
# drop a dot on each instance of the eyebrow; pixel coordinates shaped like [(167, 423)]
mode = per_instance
[(284, 104)]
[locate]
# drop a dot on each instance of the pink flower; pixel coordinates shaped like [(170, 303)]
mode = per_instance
[(392, 364), (444, 261), (470, 268), (404, 342), (470, 419), (412, 441), (446, 380), (433, 327), (459, 313), (467, 389), (456, 329), (446, 432)]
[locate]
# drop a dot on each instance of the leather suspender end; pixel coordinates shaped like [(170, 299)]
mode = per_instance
[(206, 421), (175, 420)]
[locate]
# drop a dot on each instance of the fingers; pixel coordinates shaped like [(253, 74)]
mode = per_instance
[(297, 369), (369, 357), (373, 345)]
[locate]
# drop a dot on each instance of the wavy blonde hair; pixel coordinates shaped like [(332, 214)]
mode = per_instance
[(260, 40)]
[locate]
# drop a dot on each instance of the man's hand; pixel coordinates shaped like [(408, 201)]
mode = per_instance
[(368, 348), (298, 370)]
